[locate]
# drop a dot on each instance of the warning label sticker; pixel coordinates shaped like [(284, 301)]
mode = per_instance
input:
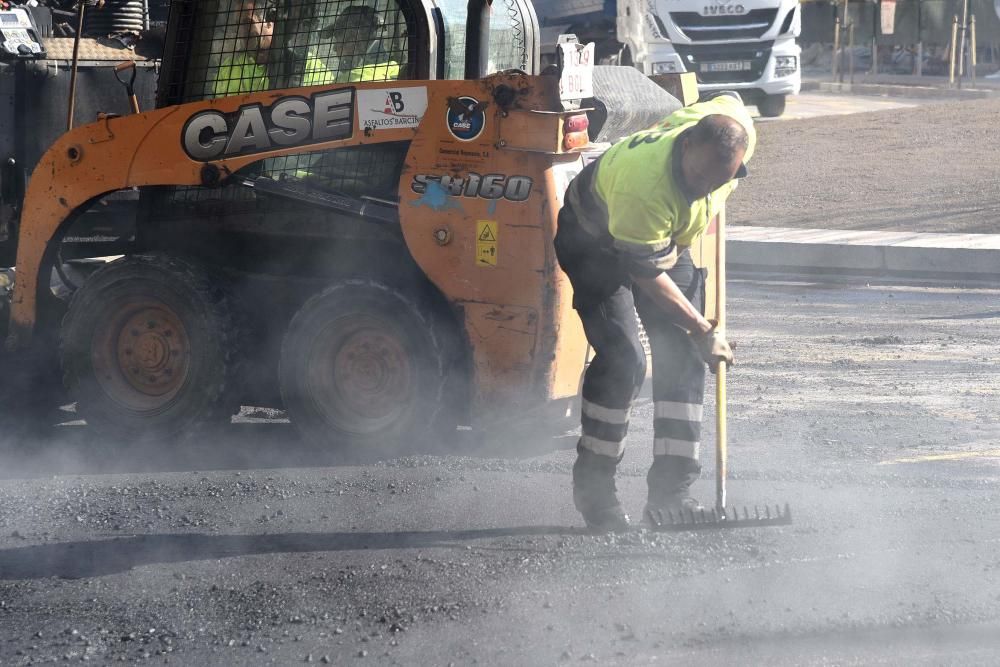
[(486, 243), (391, 108)]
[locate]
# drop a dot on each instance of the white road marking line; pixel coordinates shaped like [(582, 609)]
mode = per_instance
[(955, 456)]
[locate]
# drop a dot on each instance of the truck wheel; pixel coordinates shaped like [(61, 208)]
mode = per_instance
[(771, 106), (363, 370), (147, 348)]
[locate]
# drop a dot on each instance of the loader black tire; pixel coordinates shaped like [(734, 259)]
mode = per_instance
[(364, 370), (149, 350)]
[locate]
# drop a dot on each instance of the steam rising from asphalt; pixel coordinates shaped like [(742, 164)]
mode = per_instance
[(830, 383)]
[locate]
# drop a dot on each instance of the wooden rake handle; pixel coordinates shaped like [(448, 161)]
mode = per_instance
[(721, 453)]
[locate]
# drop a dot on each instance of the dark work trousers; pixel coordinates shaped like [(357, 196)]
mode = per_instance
[(604, 298)]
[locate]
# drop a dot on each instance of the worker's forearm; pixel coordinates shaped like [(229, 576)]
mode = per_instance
[(667, 295)]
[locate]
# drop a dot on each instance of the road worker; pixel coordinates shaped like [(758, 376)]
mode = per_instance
[(351, 51), (246, 70), (356, 40), (624, 232)]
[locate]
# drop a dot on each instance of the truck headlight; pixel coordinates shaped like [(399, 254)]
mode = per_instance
[(785, 65), (664, 68)]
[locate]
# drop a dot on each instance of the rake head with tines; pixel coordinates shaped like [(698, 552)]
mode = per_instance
[(728, 518), (723, 515)]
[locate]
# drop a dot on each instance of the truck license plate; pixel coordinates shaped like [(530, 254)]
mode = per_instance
[(728, 66)]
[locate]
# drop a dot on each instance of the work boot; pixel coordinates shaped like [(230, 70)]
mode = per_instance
[(595, 494), (670, 479)]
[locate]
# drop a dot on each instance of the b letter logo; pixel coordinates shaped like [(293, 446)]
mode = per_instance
[(394, 102)]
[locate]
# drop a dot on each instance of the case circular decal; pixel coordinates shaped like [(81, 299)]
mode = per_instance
[(466, 117)]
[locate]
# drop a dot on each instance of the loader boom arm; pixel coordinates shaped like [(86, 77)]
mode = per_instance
[(200, 143)]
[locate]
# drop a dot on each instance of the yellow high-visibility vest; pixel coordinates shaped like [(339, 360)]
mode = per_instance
[(317, 73), (387, 71), (240, 74), (635, 181)]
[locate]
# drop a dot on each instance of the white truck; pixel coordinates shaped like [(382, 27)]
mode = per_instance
[(743, 45)]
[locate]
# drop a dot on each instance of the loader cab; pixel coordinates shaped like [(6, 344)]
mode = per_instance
[(290, 43), (218, 48)]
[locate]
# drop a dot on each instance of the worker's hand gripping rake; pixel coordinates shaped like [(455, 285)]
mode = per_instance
[(722, 516)]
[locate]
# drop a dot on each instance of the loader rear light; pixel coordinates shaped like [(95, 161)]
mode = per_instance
[(575, 140), (576, 123), (575, 132)]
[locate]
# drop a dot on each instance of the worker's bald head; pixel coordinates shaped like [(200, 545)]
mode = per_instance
[(724, 133), (712, 153)]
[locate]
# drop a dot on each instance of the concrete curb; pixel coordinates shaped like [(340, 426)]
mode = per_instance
[(901, 256)]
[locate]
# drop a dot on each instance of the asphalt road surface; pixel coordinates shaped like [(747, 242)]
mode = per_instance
[(872, 410), (927, 168), (815, 105)]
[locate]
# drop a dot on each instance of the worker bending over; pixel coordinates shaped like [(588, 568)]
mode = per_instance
[(624, 232)]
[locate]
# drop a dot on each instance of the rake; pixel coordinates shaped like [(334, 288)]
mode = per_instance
[(721, 516)]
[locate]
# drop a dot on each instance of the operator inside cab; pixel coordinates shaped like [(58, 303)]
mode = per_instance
[(356, 43), (352, 50), (245, 71), (355, 52)]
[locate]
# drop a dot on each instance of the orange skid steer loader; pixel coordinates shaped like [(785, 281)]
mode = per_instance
[(345, 209)]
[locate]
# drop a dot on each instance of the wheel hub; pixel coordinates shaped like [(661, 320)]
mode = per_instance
[(371, 373), (142, 355)]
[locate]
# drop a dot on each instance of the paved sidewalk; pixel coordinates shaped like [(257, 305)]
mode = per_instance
[(922, 257)]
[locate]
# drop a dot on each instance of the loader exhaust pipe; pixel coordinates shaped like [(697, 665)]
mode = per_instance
[(477, 38)]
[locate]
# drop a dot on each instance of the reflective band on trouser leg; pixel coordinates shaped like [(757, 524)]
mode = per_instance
[(603, 447), (618, 368), (608, 415), (689, 412), (677, 429), (678, 373), (674, 447), (604, 429)]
